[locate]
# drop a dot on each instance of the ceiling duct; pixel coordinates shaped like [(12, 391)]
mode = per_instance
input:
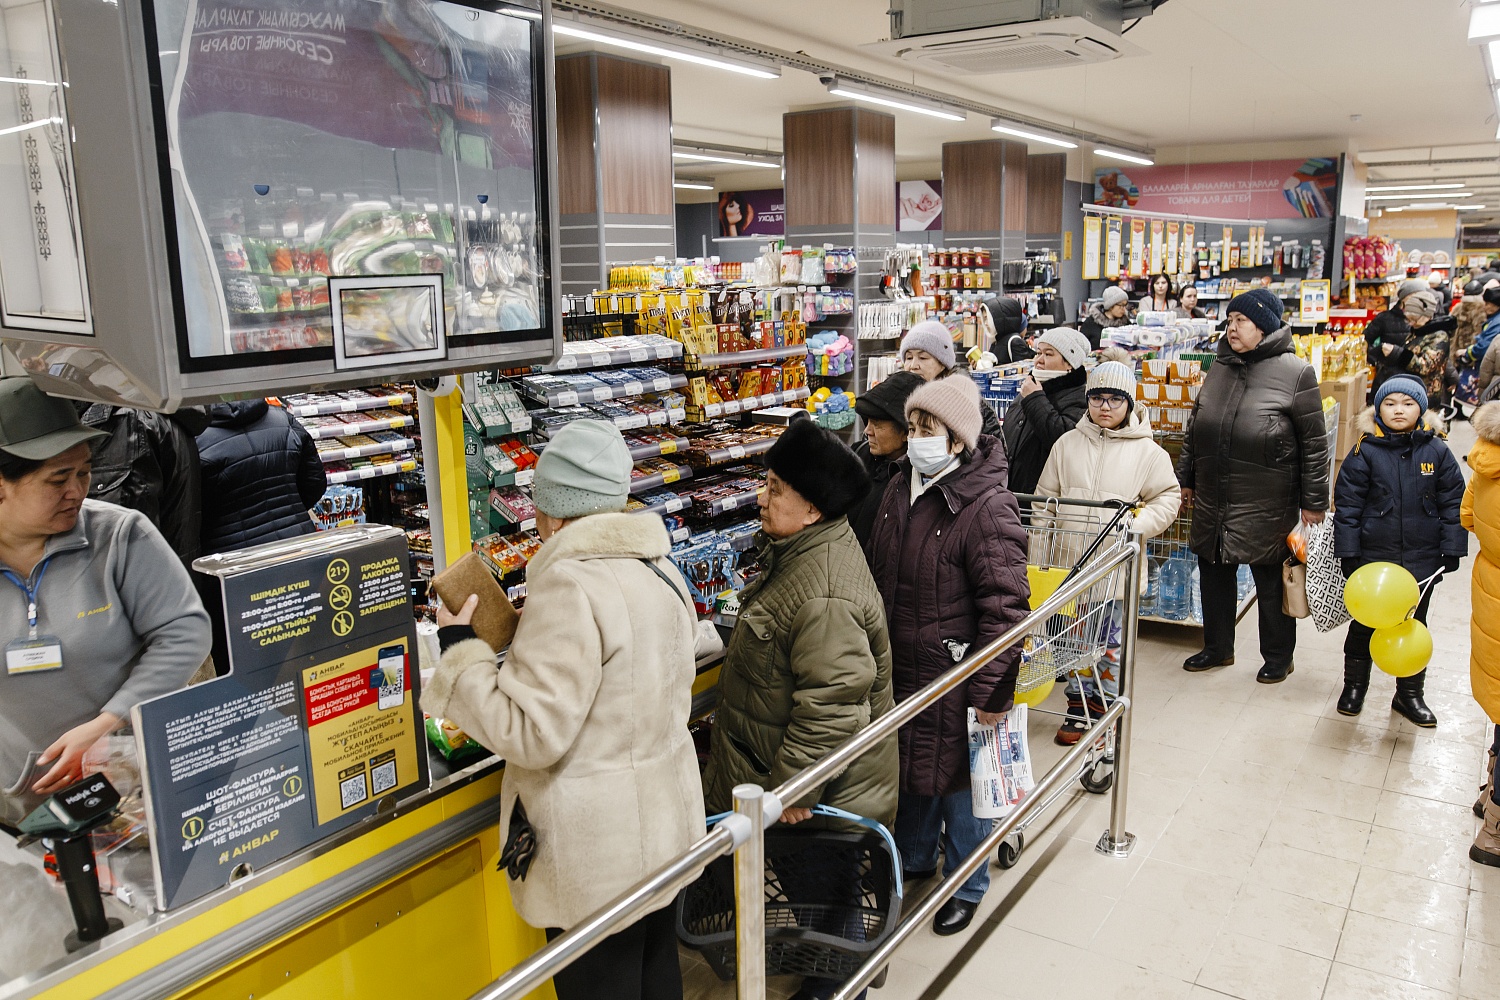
[(1009, 36)]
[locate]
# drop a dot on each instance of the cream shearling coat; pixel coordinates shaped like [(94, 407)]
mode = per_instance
[(590, 712)]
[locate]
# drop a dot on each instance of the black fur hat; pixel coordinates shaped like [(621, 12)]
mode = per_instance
[(816, 464)]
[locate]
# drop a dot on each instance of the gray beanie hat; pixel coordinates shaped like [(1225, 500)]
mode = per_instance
[(1409, 287), (1420, 304), (1072, 345), (955, 403), (585, 469), (932, 337), (1114, 295)]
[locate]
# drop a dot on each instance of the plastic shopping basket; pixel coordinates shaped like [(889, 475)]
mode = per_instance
[(832, 897)]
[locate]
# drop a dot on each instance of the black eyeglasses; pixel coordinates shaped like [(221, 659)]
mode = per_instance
[(1111, 400)]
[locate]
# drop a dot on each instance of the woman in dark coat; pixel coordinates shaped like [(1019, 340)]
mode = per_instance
[(1254, 462), (949, 556), (1054, 397)]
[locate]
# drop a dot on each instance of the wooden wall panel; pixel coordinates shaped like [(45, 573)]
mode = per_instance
[(876, 167), (575, 135), (1013, 184), (819, 161), (1045, 173), (972, 192), (635, 137)]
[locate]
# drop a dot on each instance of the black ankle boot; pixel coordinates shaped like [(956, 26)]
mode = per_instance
[(1356, 684), (1409, 703)]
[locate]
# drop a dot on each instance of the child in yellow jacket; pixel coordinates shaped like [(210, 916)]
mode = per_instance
[(1481, 515)]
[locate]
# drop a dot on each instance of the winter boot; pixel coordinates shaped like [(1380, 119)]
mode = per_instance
[(1356, 684), (1075, 724), (1488, 787), (1408, 700), (1486, 849)]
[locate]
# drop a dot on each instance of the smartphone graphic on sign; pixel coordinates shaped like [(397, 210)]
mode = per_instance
[(391, 674)]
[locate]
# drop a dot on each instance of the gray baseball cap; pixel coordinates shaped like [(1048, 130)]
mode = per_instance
[(36, 426)]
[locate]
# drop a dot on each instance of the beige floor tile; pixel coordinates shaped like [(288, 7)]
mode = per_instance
[(1481, 971), (1164, 886), (1204, 993), (1330, 795), (1428, 782), (1413, 854), (1483, 922), (1105, 978), (1076, 864), (1218, 851), (1223, 807), (1252, 969), (1228, 773), (1322, 833), (1055, 911), (1344, 765), (1428, 817), (1461, 757), (1345, 982), (1304, 873), (1163, 761), (1402, 951), (1280, 918), (1407, 899), (1013, 963), (1260, 750), (1342, 734), (1172, 944)]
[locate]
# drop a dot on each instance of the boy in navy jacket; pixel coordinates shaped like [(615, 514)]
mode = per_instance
[(1397, 500)]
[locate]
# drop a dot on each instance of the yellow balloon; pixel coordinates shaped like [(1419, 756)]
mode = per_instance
[(1035, 696), (1381, 594), (1402, 650)]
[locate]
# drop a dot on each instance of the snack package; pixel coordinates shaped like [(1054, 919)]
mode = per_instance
[(457, 747)]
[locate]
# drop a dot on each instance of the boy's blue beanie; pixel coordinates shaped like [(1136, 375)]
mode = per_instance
[(1404, 384)]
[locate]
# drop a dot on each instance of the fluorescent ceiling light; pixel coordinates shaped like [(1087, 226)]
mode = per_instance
[(1484, 23), (1468, 208), (1034, 136), (1443, 196), (686, 186), (1127, 157), (619, 41), (891, 99), (705, 158), (1415, 187)]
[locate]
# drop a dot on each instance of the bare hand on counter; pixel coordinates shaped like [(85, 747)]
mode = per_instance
[(464, 616), (68, 751)]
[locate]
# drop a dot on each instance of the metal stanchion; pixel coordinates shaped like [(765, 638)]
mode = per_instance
[(750, 896), (1117, 842)]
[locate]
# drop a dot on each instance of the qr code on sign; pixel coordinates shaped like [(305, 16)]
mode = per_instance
[(353, 791), (383, 777)]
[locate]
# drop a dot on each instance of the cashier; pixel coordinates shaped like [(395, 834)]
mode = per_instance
[(98, 612)]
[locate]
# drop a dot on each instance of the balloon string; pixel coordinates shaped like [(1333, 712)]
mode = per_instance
[(1424, 586)]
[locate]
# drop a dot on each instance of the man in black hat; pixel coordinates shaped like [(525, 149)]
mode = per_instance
[(883, 409)]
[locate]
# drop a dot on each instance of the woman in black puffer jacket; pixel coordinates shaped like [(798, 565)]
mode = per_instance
[(1255, 455), (1053, 399)]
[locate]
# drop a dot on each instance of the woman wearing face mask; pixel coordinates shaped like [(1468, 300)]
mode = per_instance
[(1053, 400), (1113, 311), (883, 410), (1110, 455), (928, 351), (949, 556)]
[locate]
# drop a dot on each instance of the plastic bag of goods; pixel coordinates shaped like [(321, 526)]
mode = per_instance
[(999, 764)]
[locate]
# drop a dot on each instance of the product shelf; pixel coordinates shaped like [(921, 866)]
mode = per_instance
[(725, 504), (1378, 281), (641, 452), (659, 479), (674, 506), (361, 427), (402, 463), (732, 358), (713, 411), (580, 355), (738, 452), (365, 450), (330, 406), (602, 393), (521, 477)]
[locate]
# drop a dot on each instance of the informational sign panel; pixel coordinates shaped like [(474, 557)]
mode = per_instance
[(315, 724), (1259, 189), (1315, 297)]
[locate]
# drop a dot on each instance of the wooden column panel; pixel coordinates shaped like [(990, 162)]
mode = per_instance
[(840, 161), (1045, 174), (875, 152), (1013, 184), (635, 137), (577, 173), (972, 186)]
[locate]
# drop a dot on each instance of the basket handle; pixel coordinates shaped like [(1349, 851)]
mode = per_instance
[(833, 812)]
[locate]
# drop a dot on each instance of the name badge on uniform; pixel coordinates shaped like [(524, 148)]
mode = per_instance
[(33, 656)]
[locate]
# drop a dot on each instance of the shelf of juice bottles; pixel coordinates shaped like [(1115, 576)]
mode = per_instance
[(398, 465), (602, 393), (713, 411)]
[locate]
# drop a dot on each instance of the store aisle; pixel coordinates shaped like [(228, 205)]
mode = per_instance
[(1284, 852)]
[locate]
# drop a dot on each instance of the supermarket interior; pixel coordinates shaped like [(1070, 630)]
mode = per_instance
[(419, 299)]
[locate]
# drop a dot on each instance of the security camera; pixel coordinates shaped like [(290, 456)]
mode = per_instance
[(826, 79)]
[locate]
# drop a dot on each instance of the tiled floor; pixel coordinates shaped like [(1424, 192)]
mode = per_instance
[(1284, 852)]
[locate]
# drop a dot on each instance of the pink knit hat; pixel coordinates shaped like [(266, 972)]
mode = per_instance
[(954, 401)]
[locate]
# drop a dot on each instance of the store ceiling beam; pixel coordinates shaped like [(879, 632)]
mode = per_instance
[(689, 35)]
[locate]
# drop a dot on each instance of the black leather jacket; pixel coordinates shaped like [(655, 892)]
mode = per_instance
[(149, 463)]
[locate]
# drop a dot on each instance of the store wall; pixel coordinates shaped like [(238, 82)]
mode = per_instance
[(695, 229), (1072, 286)]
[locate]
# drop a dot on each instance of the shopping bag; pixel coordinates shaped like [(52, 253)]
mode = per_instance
[(1325, 579), (1294, 590), (999, 764)]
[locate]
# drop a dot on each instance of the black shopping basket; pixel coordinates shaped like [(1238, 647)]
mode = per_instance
[(832, 897)]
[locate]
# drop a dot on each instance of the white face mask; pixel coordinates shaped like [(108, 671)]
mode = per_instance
[(1046, 374), (929, 455)]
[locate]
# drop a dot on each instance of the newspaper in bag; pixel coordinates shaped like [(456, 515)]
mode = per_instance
[(999, 764)]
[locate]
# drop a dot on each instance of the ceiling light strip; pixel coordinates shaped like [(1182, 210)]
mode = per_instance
[(573, 30), (1127, 157), (1006, 129), (841, 87), (735, 161)]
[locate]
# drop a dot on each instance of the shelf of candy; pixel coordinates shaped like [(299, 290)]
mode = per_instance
[(655, 473), (732, 391), (650, 410), (610, 351), (510, 509), (508, 554), (353, 446), (356, 469), (339, 506), (661, 502), (653, 444), (890, 320), (494, 410), (507, 462), (726, 447), (829, 354), (563, 390), (315, 404), (714, 498), (741, 334), (346, 424)]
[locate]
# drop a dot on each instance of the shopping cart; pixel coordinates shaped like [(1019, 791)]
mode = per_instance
[(1065, 537)]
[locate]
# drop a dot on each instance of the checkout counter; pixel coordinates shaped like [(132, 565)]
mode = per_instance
[(213, 200)]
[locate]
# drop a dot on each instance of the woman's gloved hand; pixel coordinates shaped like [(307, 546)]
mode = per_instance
[(1348, 566)]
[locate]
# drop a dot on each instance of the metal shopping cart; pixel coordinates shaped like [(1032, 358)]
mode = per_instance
[(1064, 538)]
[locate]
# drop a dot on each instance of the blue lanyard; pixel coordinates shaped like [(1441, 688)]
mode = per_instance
[(30, 591)]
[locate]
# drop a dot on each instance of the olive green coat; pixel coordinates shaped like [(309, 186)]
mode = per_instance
[(808, 667)]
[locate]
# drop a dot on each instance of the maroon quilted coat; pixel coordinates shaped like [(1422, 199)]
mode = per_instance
[(951, 569)]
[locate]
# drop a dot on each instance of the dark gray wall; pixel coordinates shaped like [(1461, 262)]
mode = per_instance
[(695, 229)]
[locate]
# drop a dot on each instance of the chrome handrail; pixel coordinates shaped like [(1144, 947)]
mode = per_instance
[(730, 834)]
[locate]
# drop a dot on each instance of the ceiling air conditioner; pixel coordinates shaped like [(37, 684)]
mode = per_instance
[(981, 37)]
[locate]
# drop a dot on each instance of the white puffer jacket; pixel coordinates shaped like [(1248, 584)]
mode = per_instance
[(590, 712)]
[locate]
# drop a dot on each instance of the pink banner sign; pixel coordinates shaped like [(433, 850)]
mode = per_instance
[(1264, 189)]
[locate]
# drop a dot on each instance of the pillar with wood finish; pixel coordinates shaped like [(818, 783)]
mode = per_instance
[(984, 197)]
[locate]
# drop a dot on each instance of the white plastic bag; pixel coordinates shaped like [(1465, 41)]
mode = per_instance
[(999, 764)]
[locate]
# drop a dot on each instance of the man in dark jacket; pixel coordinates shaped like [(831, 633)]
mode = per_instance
[(1255, 455), (883, 409), (149, 463), (261, 476), (1053, 399)]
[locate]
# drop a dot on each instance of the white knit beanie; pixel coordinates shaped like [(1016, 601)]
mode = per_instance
[(1114, 295), (1112, 376), (1072, 345)]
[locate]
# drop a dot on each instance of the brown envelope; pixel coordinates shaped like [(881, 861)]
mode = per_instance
[(495, 618)]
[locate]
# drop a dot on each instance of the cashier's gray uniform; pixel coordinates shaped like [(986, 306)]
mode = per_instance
[(129, 620)]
